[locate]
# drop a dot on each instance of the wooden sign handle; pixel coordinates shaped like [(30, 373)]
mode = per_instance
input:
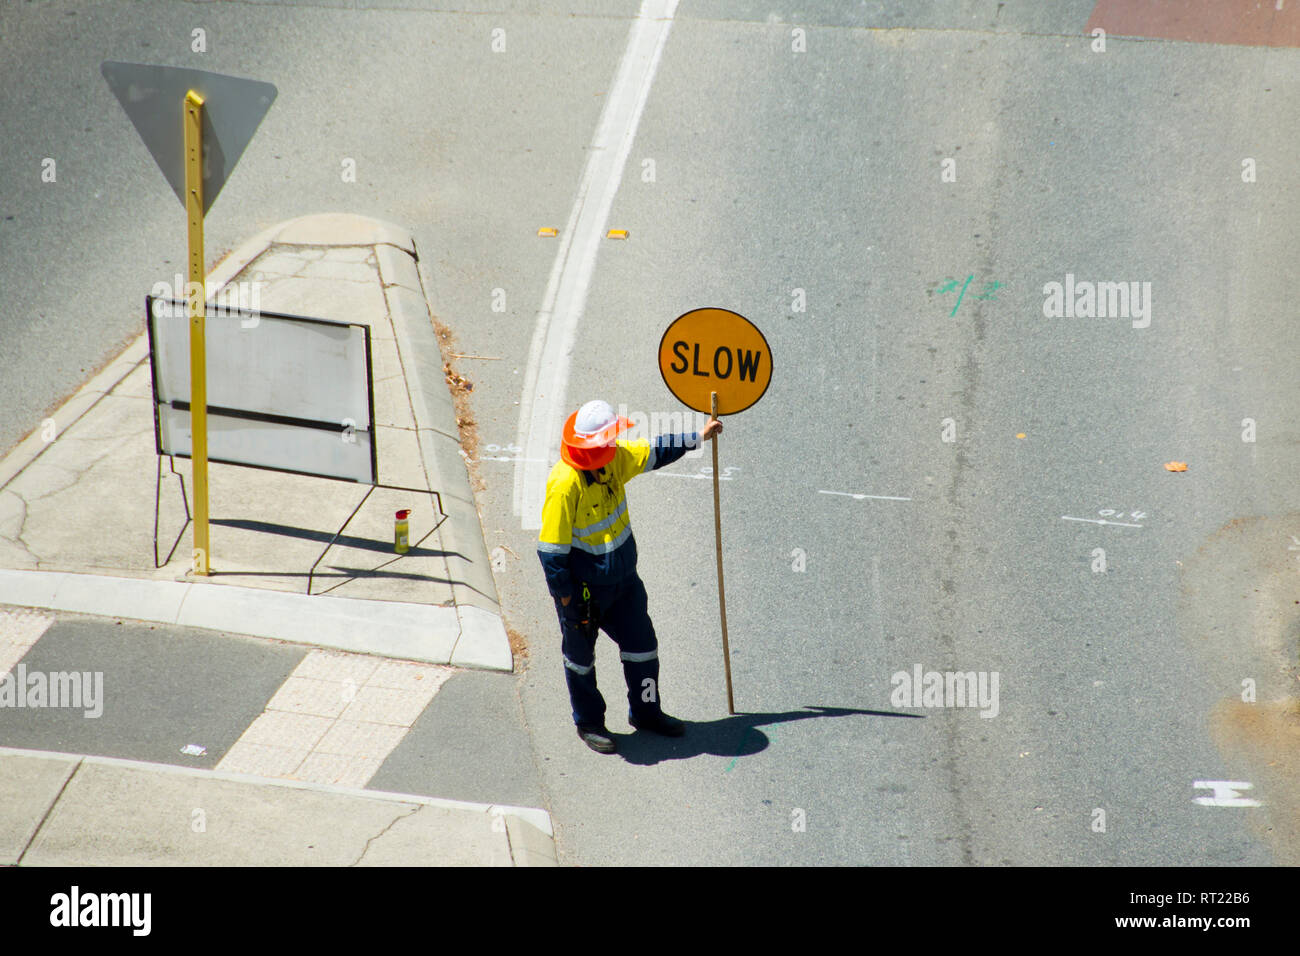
[(717, 532)]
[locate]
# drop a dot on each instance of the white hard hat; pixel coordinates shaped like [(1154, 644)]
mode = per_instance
[(589, 433), (593, 417)]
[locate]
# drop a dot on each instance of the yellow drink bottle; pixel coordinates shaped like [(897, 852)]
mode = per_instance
[(402, 532)]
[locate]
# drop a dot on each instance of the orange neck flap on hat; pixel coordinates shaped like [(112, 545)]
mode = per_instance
[(588, 459)]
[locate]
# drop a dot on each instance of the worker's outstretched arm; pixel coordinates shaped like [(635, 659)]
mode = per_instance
[(667, 449)]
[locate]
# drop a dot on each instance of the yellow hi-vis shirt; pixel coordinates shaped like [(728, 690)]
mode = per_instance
[(586, 530)]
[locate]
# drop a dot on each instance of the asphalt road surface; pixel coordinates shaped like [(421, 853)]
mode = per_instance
[(941, 476)]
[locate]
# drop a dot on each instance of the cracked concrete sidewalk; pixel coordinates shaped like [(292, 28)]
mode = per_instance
[(71, 810)]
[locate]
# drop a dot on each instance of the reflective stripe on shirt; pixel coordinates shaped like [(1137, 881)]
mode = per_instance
[(604, 547), (604, 523)]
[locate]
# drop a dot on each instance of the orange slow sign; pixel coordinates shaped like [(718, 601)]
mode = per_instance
[(714, 350)]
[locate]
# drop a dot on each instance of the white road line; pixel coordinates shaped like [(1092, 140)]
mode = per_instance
[(1226, 793), (857, 497), (1122, 524), (546, 380)]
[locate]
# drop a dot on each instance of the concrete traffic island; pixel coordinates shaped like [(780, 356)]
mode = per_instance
[(77, 496)]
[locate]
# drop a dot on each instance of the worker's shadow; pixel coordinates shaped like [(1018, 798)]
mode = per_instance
[(736, 736)]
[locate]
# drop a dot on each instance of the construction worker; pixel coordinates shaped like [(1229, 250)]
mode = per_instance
[(589, 557)]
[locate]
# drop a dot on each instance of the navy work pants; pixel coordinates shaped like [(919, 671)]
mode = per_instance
[(622, 613)]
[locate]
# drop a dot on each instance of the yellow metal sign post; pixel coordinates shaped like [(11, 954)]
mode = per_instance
[(197, 291), (716, 361), (230, 108)]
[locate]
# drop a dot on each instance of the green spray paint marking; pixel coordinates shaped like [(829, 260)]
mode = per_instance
[(989, 289), (742, 747)]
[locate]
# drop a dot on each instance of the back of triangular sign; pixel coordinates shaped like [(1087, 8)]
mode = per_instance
[(152, 98)]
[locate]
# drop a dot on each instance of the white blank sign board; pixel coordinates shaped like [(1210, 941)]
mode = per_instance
[(284, 392)]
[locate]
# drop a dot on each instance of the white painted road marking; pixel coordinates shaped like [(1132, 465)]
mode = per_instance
[(546, 382), (1225, 793), (857, 497), (1122, 524), (704, 474)]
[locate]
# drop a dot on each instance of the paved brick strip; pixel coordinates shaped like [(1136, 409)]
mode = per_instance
[(335, 719), (20, 628)]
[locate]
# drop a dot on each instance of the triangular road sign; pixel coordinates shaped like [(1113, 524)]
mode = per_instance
[(152, 97)]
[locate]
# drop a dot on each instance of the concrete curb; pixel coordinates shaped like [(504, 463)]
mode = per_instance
[(415, 632), (439, 437), (528, 830), (529, 846)]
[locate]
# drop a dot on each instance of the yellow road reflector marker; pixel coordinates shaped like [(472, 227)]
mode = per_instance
[(616, 234), (1176, 465), (548, 231), (1020, 434)]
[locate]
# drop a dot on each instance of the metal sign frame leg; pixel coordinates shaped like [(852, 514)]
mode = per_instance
[(157, 498), (312, 573)]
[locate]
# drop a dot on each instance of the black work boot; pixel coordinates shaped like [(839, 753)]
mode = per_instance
[(660, 723), (597, 738)]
